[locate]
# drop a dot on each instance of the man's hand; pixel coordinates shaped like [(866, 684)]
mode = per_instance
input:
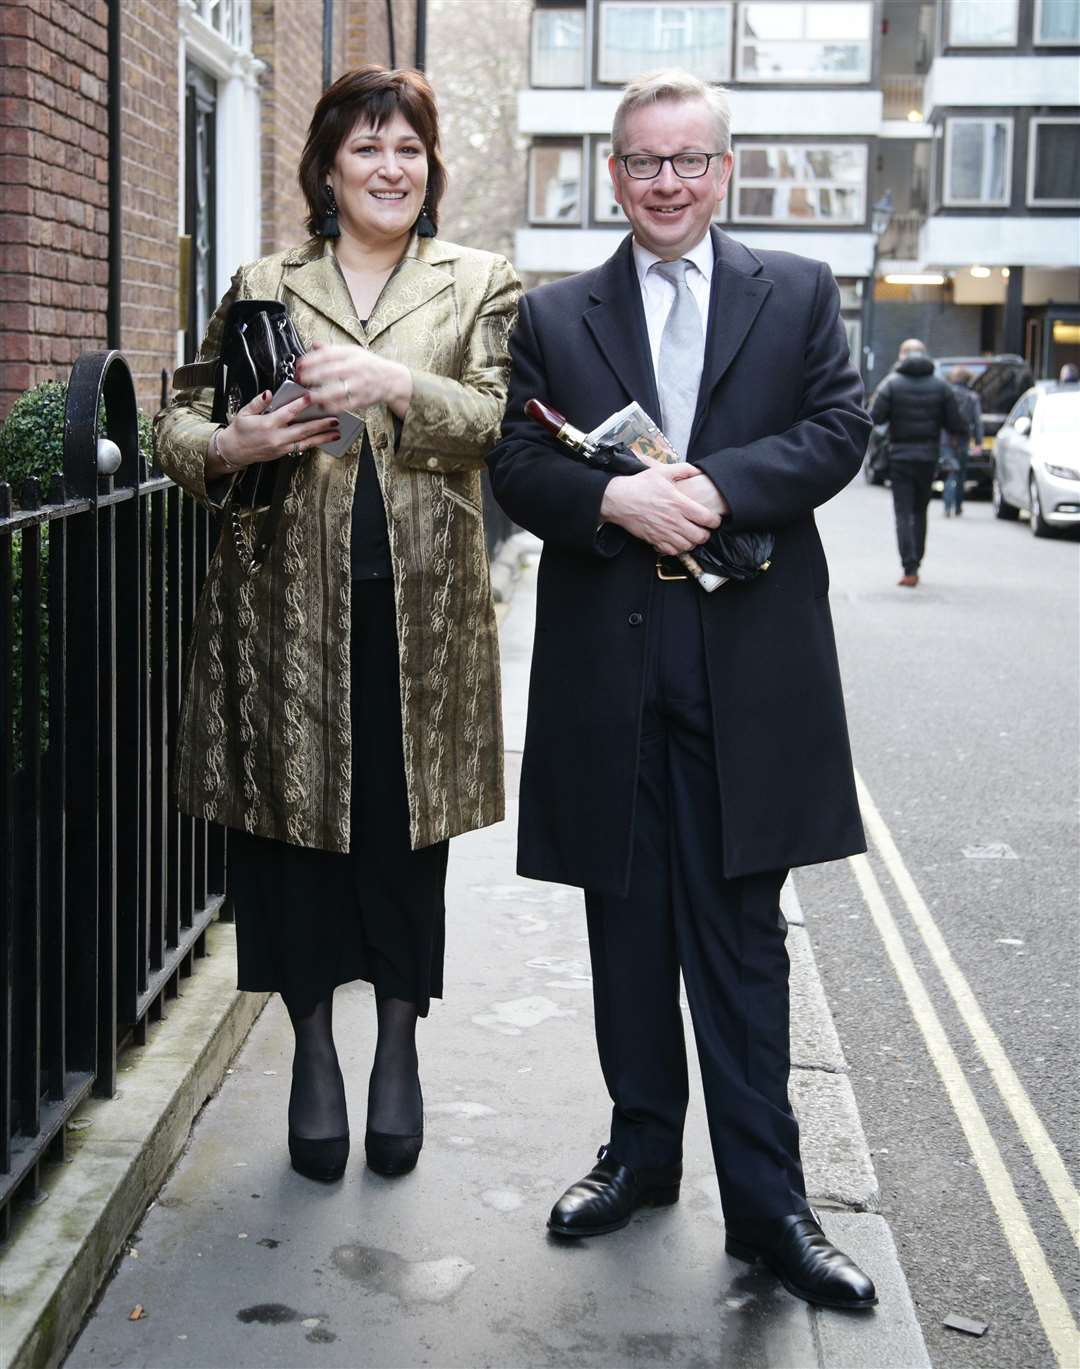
[(698, 486), (651, 507)]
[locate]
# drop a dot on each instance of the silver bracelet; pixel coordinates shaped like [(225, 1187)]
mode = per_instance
[(215, 450)]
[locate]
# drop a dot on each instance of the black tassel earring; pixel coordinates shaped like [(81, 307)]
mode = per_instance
[(330, 227), (424, 226)]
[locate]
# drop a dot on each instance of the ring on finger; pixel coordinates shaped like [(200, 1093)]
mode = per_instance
[(348, 395), (294, 450)]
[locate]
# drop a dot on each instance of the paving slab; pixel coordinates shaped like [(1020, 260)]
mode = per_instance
[(814, 1042)]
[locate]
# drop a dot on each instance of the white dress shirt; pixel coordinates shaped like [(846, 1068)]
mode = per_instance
[(658, 294)]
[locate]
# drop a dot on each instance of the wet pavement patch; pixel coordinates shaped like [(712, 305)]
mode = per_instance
[(410, 1281), (268, 1314)]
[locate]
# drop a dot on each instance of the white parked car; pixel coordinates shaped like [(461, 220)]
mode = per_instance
[(1037, 458)]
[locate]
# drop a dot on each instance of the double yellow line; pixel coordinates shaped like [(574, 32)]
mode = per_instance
[(1053, 1311)]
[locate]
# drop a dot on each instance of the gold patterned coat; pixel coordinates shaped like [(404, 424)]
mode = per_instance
[(264, 738)]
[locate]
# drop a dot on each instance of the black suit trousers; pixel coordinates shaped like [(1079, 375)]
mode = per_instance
[(726, 936)]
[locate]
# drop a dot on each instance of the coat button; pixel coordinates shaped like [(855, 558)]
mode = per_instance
[(636, 619), (433, 463)]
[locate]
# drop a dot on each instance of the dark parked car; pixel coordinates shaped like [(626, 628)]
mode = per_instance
[(999, 381)]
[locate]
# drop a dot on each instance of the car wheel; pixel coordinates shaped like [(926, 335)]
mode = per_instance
[(1002, 509), (1039, 526)]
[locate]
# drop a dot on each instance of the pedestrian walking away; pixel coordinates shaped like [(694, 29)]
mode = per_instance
[(684, 749), (342, 713), (957, 447), (917, 405)]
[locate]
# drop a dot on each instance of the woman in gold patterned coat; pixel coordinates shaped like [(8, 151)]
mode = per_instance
[(341, 713)]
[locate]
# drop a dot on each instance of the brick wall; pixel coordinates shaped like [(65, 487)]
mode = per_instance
[(53, 183), (286, 39), (149, 43)]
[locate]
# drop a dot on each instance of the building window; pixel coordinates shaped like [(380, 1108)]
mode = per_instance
[(818, 184), (982, 23), (1057, 21), (555, 183), (1054, 163), (636, 38), (230, 19), (794, 42), (605, 208), (558, 47), (978, 162)]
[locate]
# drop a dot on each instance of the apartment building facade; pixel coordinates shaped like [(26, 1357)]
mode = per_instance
[(147, 149), (926, 142)]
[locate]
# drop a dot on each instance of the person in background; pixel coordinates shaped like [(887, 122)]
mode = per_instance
[(342, 713), (957, 447), (1069, 374), (916, 404)]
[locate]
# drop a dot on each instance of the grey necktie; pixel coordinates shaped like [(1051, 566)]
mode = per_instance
[(682, 354)]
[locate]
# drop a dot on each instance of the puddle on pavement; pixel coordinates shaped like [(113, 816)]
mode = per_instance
[(384, 1271), (280, 1314)]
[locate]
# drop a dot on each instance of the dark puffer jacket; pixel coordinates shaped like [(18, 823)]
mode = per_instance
[(916, 404)]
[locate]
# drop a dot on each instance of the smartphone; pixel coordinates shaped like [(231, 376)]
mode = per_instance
[(350, 423)]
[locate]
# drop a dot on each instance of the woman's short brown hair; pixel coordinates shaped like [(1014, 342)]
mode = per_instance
[(372, 94)]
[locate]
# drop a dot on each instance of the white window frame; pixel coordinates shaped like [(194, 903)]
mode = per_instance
[(947, 199), (238, 136), (738, 183), (533, 63), (1033, 129), (565, 144), (985, 42), (1039, 42), (830, 78), (727, 6)]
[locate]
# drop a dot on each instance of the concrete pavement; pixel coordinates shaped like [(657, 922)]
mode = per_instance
[(241, 1262)]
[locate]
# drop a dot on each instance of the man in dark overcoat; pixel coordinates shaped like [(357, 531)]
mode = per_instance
[(683, 750)]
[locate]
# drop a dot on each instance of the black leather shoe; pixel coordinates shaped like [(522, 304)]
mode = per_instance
[(804, 1260), (609, 1195), (389, 1154), (322, 1159)]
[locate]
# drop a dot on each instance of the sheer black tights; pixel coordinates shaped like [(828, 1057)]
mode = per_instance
[(317, 1101), (394, 1102)]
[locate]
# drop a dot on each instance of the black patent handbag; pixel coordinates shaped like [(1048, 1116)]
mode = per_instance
[(259, 351)]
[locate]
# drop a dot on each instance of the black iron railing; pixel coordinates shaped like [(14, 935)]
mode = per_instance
[(105, 891)]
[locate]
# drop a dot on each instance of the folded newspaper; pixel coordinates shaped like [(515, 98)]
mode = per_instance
[(633, 429)]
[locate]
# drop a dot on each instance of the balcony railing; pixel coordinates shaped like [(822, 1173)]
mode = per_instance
[(903, 97)]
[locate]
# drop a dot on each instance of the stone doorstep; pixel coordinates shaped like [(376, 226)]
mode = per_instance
[(61, 1252)]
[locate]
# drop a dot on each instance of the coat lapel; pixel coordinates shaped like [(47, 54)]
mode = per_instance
[(617, 323), (737, 294), (419, 277)]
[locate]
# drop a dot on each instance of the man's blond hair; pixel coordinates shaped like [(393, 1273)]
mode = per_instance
[(673, 84)]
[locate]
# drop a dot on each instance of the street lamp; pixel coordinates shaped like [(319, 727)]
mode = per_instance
[(880, 218)]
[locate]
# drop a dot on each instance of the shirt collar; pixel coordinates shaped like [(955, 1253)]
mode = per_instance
[(701, 255)]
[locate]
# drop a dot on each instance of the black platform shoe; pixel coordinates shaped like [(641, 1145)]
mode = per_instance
[(804, 1260), (323, 1159), (389, 1154), (610, 1194)]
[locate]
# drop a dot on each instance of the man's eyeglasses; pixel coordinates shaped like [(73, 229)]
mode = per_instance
[(688, 166)]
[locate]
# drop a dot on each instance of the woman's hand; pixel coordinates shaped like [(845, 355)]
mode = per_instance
[(255, 435), (354, 378)]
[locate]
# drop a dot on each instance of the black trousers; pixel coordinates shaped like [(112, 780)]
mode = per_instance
[(911, 481), (726, 936)]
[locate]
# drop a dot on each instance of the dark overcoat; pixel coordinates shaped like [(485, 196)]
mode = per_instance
[(780, 428)]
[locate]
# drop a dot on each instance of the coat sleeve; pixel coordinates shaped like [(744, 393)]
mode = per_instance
[(540, 486), (451, 425), (881, 404), (780, 478), (182, 430)]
